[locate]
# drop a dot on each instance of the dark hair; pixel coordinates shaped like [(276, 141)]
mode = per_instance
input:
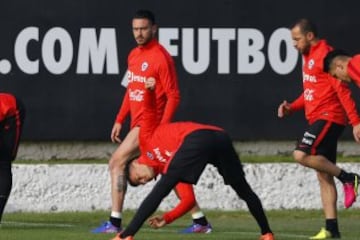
[(330, 58), (145, 14), (127, 171), (306, 26)]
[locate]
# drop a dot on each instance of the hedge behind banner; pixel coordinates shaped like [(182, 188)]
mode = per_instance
[(235, 61)]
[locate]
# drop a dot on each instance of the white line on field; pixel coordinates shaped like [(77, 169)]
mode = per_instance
[(60, 225), (234, 233), (34, 224)]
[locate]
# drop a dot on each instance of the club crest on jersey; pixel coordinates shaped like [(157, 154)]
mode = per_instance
[(144, 66), (311, 64), (150, 155)]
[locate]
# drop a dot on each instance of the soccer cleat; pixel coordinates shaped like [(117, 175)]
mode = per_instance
[(350, 191), (117, 237), (106, 227), (197, 228), (325, 234), (268, 236)]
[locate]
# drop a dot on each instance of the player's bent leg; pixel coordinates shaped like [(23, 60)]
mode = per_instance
[(328, 195), (127, 149), (317, 162)]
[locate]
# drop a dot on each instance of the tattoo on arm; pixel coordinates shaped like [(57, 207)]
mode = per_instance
[(121, 183)]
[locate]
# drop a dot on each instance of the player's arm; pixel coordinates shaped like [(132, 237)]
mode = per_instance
[(286, 108), (124, 111), (169, 82), (298, 104), (344, 94), (185, 193)]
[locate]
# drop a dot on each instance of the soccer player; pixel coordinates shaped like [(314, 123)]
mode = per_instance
[(12, 114), (327, 104), (180, 152), (342, 66), (149, 58)]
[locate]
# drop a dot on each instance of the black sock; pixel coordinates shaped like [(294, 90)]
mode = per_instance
[(345, 177), (115, 221), (5, 184), (332, 226), (202, 221)]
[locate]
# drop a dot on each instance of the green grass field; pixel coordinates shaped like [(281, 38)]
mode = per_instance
[(228, 225)]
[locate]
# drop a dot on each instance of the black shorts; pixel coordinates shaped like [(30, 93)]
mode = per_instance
[(321, 138), (200, 148), (10, 133)]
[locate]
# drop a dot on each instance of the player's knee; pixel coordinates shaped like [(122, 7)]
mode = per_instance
[(299, 157)]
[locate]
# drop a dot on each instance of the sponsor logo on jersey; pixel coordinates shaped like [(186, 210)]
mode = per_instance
[(309, 78), (309, 94), (135, 78), (158, 155), (136, 95)]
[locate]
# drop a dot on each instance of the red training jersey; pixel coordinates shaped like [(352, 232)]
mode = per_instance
[(353, 69), (159, 144), (7, 105), (324, 97), (150, 60)]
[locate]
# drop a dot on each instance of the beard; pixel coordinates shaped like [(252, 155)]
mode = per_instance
[(143, 40), (305, 50)]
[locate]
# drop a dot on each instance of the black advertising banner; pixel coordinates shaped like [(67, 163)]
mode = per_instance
[(235, 61)]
